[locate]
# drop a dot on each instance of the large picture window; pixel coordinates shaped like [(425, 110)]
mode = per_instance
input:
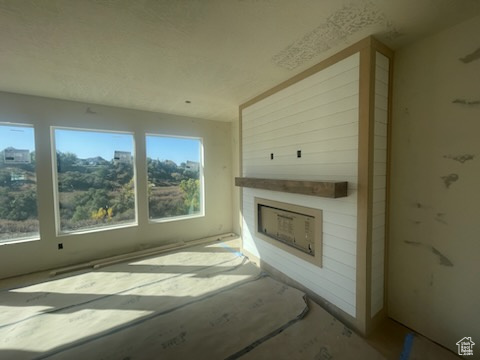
[(95, 179), (18, 185), (175, 176)]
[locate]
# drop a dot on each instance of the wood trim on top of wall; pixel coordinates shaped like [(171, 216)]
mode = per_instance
[(352, 49), (373, 321), (382, 48), (364, 197), (240, 173), (390, 55)]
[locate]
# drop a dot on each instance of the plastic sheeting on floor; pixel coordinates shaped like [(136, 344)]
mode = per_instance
[(203, 302), (206, 301)]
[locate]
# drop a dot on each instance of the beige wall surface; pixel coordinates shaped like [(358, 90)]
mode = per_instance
[(434, 254), (236, 220), (24, 257)]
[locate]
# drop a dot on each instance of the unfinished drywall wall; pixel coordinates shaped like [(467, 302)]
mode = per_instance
[(18, 258), (434, 267)]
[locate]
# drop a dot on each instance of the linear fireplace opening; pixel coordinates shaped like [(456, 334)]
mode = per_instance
[(295, 229)]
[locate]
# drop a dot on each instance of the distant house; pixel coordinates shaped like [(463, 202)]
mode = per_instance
[(465, 346), (16, 156), (122, 157), (192, 166), (18, 176)]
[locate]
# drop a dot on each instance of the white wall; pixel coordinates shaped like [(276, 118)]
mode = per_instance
[(18, 258), (318, 115), (434, 254)]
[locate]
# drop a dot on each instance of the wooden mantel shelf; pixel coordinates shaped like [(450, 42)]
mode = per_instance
[(330, 189)]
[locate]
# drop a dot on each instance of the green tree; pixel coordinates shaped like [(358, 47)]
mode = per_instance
[(6, 200), (81, 213), (126, 198), (191, 195), (23, 206), (66, 161), (90, 202)]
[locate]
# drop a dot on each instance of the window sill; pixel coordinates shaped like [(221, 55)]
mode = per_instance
[(95, 230), (19, 240), (175, 218)]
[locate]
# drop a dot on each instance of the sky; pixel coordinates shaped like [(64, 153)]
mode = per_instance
[(175, 149), (19, 137), (88, 144)]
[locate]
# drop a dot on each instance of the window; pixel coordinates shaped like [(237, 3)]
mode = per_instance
[(18, 184), (175, 176), (95, 179)]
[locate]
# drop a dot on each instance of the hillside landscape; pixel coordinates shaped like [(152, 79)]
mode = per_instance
[(94, 192)]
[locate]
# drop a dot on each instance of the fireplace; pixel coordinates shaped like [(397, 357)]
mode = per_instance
[(292, 228)]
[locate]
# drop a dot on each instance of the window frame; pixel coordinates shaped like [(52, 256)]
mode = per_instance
[(201, 178), (37, 236), (56, 196)]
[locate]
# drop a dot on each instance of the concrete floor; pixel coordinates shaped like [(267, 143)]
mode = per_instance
[(389, 339)]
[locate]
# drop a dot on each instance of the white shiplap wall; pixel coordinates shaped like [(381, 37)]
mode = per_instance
[(319, 116), (379, 182)]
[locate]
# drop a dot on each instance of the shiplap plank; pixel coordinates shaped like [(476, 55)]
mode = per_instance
[(339, 255), (382, 61), (324, 91), (300, 113), (379, 182), (381, 88), (380, 155), (296, 271), (345, 206), (380, 129), (342, 66), (381, 102), (311, 102), (340, 219), (381, 115), (379, 143), (340, 231), (318, 169), (329, 115), (380, 169), (336, 157), (347, 246), (378, 208), (325, 146), (304, 122), (378, 232), (301, 137), (381, 75)]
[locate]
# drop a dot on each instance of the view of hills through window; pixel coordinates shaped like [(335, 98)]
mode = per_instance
[(95, 182), (95, 176), (174, 176), (18, 186)]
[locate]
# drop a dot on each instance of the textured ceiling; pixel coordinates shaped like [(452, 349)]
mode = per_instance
[(154, 55)]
